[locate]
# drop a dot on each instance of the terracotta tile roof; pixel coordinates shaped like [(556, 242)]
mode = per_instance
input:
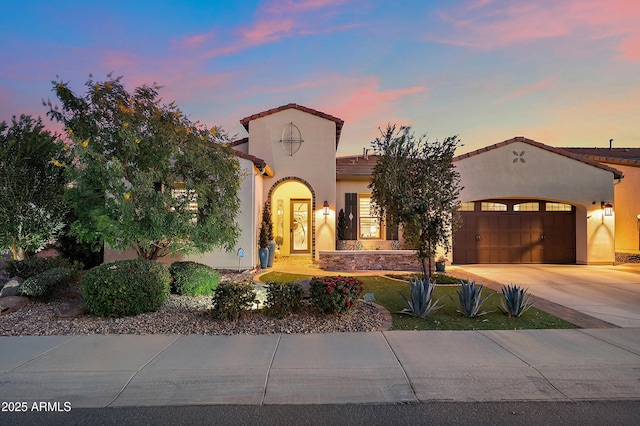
[(240, 142), (617, 174), (339, 123), (621, 156), (259, 162), (355, 166)]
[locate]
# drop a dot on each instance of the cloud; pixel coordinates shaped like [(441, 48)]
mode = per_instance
[(357, 99), (547, 83), (488, 25), (273, 21), (292, 6)]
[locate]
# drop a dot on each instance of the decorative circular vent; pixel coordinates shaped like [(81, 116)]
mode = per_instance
[(291, 139)]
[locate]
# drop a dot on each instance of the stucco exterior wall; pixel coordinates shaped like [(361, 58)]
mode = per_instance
[(248, 221), (626, 208), (521, 170), (314, 162)]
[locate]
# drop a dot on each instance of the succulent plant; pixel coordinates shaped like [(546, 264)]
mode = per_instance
[(421, 303), (470, 298), (515, 302)]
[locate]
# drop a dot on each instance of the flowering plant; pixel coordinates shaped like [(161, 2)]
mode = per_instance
[(335, 295)]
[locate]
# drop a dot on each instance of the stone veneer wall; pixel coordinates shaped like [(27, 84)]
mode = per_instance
[(353, 260)]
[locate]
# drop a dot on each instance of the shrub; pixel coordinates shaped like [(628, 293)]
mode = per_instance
[(193, 279), (125, 287), (44, 285), (231, 300), (470, 298), (515, 301), (421, 303), (335, 295), (283, 298), (29, 268)]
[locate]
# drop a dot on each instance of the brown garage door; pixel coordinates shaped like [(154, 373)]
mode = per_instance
[(516, 231)]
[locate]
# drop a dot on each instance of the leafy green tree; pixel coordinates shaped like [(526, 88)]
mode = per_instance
[(415, 185), (144, 175), (32, 184)]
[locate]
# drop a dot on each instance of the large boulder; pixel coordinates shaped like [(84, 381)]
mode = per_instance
[(11, 304), (72, 309), (10, 288)]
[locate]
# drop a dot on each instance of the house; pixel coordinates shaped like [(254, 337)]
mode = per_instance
[(522, 202)]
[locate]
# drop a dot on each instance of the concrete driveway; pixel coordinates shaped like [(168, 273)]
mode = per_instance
[(610, 293)]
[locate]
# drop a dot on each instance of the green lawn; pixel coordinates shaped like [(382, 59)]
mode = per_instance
[(386, 294)]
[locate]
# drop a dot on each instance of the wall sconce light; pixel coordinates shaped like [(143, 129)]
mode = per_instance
[(607, 208), (325, 208)]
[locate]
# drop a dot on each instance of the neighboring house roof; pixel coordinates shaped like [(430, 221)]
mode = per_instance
[(620, 156), (617, 174), (339, 123)]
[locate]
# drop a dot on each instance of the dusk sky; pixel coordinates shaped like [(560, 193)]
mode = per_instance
[(562, 72)]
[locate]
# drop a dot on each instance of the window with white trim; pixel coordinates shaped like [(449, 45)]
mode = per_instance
[(369, 224)]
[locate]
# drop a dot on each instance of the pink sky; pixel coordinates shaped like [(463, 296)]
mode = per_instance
[(565, 73)]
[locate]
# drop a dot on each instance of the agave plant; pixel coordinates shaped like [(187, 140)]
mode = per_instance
[(470, 298), (515, 302), (421, 303)]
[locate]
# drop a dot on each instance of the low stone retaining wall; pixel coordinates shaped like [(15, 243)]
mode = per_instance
[(354, 260)]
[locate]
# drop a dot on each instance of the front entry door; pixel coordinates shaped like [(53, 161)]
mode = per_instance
[(300, 226)]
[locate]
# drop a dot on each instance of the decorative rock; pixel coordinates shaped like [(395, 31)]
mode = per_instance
[(11, 287), (72, 309), (11, 304)]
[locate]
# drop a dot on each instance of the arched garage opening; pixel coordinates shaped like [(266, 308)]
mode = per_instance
[(516, 231)]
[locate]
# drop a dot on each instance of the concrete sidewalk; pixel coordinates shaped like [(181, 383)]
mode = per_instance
[(377, 367)]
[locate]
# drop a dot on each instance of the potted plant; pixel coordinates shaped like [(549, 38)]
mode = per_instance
[(263, 239), (341, 231), (440, 264)]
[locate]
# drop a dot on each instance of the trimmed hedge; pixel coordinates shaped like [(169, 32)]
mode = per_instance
[(193, 279), (283, 298), (44, 285), (125, 288), (32, 267), (231, 300)]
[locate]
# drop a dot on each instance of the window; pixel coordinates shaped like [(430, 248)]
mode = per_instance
[(369, 224), (558, 207), (486, 206), (467, 207), (188, 199), (526, 207)]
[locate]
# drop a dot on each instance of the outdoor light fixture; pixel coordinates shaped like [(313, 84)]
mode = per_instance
[(607, 208), (325, 208)]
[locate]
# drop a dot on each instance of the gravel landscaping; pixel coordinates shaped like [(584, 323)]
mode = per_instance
[(181, 315)]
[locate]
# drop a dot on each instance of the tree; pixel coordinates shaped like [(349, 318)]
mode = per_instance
[(144, 175), (31, 187), (266, 227), (415, 185)]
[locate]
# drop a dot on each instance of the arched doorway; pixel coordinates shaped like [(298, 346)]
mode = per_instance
[(292, 209)]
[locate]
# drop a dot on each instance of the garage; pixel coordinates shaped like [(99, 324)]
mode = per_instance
[(516, 231)]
